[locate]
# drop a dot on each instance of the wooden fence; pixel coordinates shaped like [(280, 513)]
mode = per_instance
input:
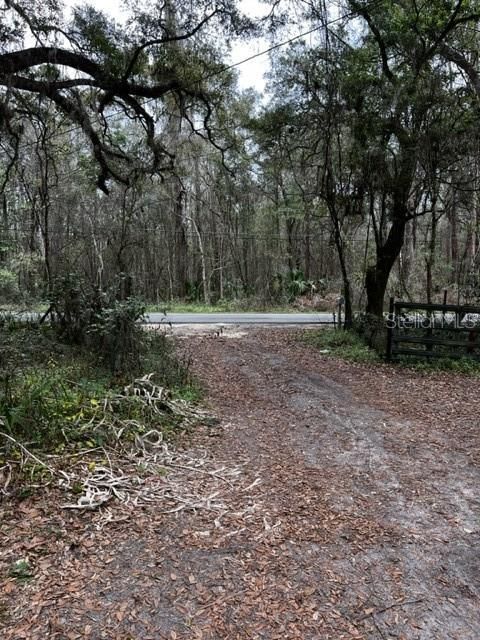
[(433, 330)]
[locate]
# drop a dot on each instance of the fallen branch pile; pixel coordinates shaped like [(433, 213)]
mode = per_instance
[(134, 470)]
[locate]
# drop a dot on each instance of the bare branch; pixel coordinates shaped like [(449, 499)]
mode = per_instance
[(462, 63)]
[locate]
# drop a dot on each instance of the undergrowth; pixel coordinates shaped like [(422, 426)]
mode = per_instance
[(340, 343), (464, 366), (55, 395), (241, 305), (350, 346)]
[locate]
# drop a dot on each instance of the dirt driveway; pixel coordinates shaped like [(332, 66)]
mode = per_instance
[(354, 515)]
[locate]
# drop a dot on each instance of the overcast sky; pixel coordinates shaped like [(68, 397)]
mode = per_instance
[(251, 73)]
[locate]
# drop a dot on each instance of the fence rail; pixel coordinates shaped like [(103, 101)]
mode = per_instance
[(424, 330)]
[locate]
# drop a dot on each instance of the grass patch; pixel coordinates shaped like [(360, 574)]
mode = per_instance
[(242, 305), (245, 305), (21, 570), (189, 307), (349, 346), (343, 344), (464, 366), (189, 393)]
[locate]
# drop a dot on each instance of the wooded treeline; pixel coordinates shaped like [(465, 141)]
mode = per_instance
[(359, 173)]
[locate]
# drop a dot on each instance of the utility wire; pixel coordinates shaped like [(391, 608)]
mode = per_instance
[(212, 74), (273, 47)]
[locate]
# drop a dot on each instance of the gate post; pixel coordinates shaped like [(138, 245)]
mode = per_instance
[(340, 302), (390, 327)]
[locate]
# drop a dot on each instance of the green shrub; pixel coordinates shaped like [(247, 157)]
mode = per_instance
[(161, 359), (83, 315), (53, 393), (9, 290), (297, 284), (44, 405), (117, 337), (74, 305), (64, 382)]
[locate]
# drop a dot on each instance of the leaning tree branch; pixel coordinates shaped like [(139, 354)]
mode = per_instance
[(44, 87), (462, 63), (24, 59), (167, 39), (379, 40), (16, 73), (75, 111), (13, 63)]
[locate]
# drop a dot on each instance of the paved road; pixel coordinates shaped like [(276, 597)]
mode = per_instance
[(239, 318), (216, 318)]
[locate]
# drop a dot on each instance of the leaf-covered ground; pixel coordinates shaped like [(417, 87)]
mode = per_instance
[(339, 501)]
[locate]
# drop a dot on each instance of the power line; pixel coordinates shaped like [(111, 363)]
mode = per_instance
[(70, 235), (273, 47), (278, 45), (228, 67)]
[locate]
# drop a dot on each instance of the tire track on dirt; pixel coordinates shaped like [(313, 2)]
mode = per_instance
[(410, 500)]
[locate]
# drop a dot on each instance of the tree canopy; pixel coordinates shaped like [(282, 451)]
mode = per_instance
[(357, 171), (91, 68)]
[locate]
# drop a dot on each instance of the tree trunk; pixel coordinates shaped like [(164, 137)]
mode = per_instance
[(206, 294), (181, 246), (308, 250), (347, 290), (377, 275)]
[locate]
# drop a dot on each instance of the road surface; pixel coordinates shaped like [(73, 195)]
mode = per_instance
[(238, 318)]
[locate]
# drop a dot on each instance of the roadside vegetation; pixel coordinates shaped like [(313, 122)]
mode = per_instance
[(240, 305), (91, 379), (352, 346), (464, 366), (340, 343), (54, 394)]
